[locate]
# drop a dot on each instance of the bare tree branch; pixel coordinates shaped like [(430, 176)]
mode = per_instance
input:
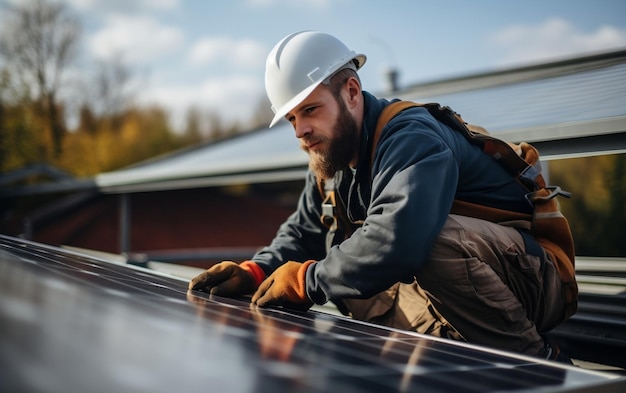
[(38, 41)]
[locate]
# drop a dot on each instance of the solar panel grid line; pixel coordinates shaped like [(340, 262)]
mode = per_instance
[(484, 361), (350, 362), (117, 278), (465, 368), (89, 276), (276, 335), (127, 313), (374, 344), (69, 343)]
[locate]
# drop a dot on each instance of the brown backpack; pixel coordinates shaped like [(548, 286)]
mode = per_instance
[(547, 224)]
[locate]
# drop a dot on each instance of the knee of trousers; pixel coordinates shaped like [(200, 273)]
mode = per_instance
[(468, 237)]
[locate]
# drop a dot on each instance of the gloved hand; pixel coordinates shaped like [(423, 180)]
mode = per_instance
[(228, 278), (286, 287)]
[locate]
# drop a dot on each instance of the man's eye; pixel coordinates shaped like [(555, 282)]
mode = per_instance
[(310, 109)]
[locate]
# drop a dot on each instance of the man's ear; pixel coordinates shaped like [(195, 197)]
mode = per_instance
[(353, 92)]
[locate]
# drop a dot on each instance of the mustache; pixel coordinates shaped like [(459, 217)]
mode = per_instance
[(307, 141)]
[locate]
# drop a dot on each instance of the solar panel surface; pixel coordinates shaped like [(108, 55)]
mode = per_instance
[(75, 323)]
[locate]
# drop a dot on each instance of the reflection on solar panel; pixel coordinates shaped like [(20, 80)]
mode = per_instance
[(75, 323)]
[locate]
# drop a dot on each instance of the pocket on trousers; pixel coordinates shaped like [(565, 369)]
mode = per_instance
[(523, 272)]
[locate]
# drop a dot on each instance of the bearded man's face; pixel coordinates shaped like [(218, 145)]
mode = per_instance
[(332, 151)]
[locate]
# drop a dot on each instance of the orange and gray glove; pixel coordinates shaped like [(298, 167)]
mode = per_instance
[(228, 278), (285, 287)]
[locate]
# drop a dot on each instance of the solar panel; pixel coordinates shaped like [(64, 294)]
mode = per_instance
[(71, 322)]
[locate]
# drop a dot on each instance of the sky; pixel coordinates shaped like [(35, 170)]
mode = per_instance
[(211, 54)]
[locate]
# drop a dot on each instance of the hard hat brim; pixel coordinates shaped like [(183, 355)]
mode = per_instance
[(298, 98)]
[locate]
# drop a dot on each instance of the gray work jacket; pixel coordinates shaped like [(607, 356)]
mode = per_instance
[(419, 168)]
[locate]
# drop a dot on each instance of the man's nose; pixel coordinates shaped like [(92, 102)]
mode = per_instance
[(302, 129)]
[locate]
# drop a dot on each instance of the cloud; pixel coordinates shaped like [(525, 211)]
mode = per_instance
[(290, 3), (240, 53), (122, 6), (234, 98), (138, 39), (552, 39)]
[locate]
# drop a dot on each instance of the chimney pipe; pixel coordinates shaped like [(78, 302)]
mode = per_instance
[(391, 79)]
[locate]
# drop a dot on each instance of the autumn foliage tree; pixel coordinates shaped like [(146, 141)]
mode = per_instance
[(140, 134), (597, 209), (21, 141), (39, 41)]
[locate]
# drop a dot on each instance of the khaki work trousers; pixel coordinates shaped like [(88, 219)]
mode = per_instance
[(479, 286)]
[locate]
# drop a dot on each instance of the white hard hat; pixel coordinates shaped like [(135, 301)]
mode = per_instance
[(299, 63)]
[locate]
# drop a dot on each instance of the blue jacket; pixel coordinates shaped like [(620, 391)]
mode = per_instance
[(419, 168)]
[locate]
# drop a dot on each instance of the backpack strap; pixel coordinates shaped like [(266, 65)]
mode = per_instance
[(334, 213), (330, 214), (547, 224), (520, 160), (509, 155), (388, 113)]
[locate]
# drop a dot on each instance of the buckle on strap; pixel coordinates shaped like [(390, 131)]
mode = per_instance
[(328, 216), (529, 175), (532, 197)]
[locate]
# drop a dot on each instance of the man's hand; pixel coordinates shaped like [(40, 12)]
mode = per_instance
[(228, 278), (286, 287)]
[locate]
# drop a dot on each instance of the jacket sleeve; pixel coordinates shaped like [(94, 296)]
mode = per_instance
[(414, 177), (301, 237)]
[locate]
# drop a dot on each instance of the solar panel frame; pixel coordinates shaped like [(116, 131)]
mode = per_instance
[(74, 322)]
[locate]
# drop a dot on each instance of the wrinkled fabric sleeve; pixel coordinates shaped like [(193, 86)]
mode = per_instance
[(414, 181), (301, 237)]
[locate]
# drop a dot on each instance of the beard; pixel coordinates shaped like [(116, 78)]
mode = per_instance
[(341, 147)]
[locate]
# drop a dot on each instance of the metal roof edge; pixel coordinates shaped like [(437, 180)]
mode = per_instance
[(578, 129), (198, 146), (113, 179), (515, 74), (285, 174)]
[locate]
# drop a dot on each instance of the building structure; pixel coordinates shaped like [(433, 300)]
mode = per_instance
[(235, 192)]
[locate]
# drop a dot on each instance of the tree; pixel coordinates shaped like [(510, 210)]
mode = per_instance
[(104, 96), (193, 128), (20, 143), (263, 114), (597, 209), (38, 41), (615, 179), (111, 87)]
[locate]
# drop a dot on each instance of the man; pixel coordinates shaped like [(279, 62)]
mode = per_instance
[(402, 259)]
